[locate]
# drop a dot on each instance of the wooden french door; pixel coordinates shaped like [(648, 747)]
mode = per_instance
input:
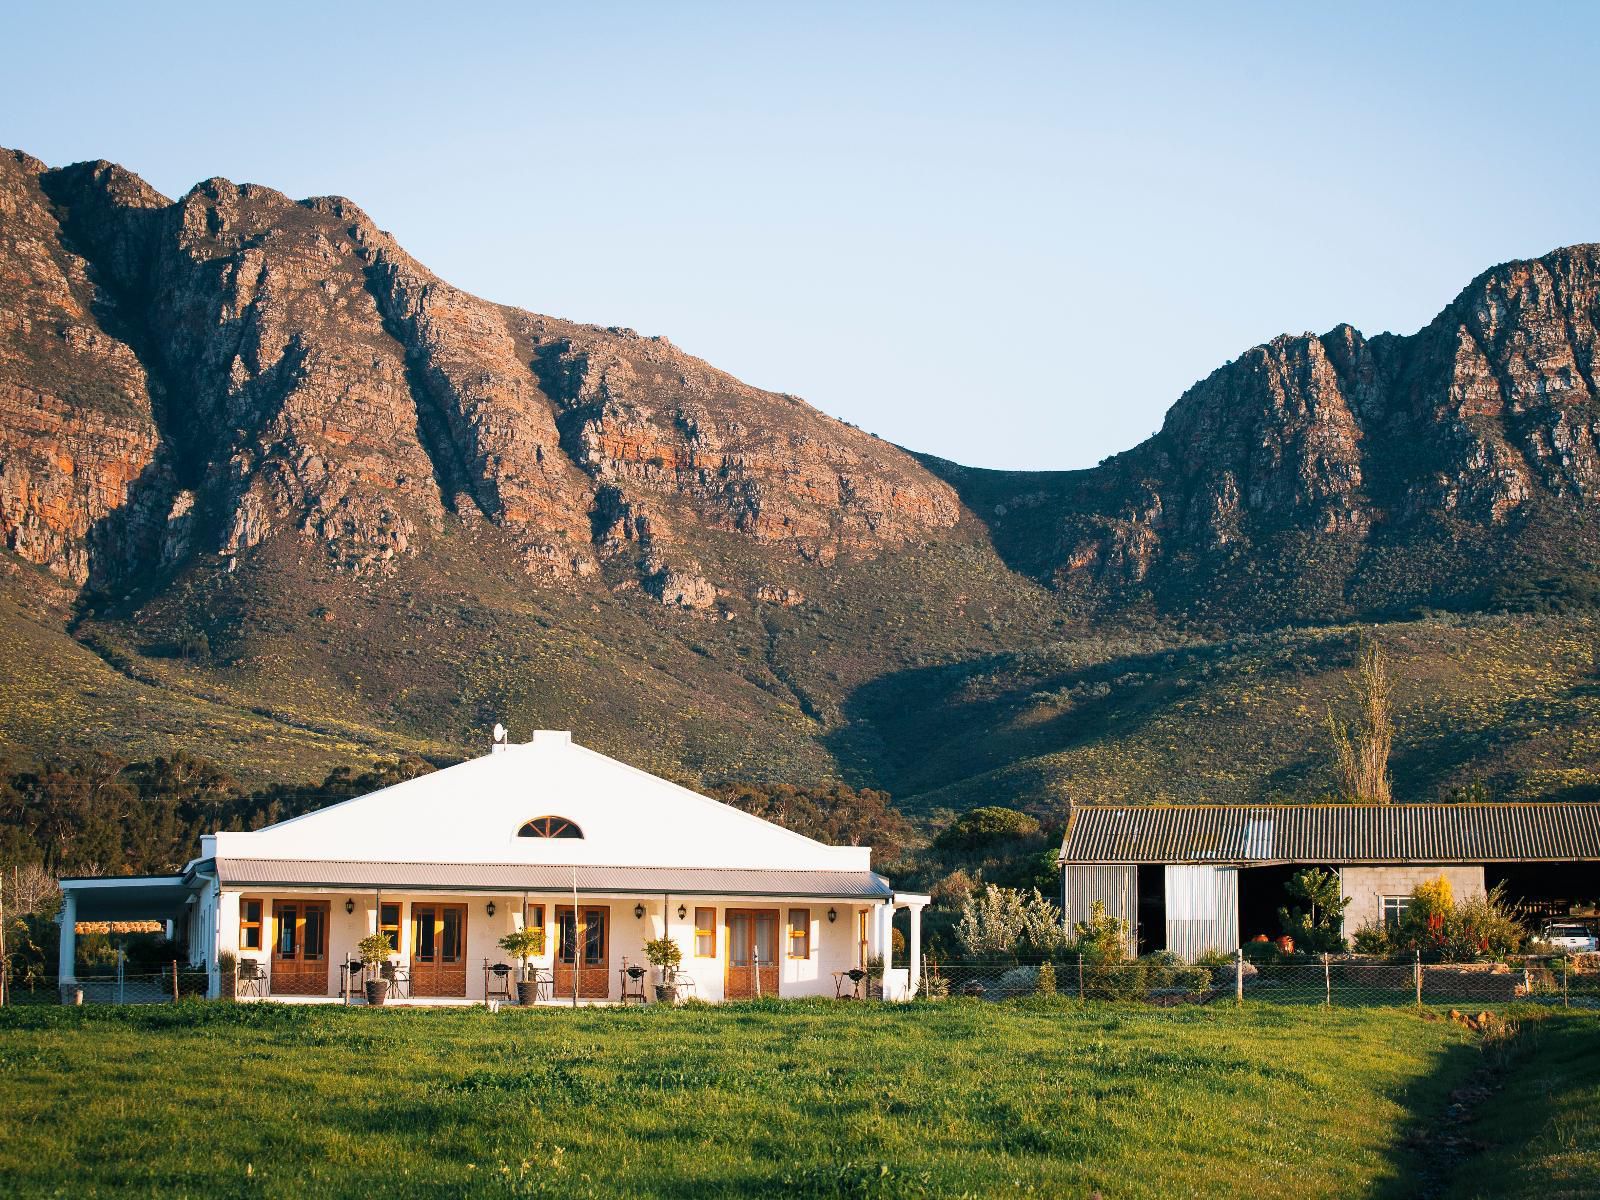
[(583, 944), (752, 953), (438, 949), (299, 948)]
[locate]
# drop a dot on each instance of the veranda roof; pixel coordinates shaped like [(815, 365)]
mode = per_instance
[(526, 877), (1552, 831)]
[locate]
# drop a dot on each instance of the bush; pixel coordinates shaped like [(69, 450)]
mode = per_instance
[(1114, 981), (980, 828), (1193, 979), (1018, 981), (1045, 983), (1440, 930)]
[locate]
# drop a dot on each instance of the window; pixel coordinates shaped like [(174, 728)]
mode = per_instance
[(550, 827), (1394, 909), (250, 924), (799, 933), (705, 933), (389, 924)]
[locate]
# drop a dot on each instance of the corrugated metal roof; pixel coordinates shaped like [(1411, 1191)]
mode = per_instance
[(518, 877), (1333, 833)]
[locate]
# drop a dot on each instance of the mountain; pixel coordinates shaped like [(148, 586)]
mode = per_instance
[(272, 491)]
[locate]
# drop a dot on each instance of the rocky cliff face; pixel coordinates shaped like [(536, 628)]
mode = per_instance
[(194, 378), (183, 381), (1325, 476)]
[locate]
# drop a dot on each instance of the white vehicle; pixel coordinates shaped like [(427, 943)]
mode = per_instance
[(1574, 939)]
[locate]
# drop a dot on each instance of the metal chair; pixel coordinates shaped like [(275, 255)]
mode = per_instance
[(544, 983), (497, 980), (399, 976), (248, 977)]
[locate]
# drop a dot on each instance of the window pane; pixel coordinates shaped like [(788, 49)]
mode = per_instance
[(425, 934), (705, 932), (739, 939), (287, 916), (451, 950), (594, 938), (568, 922), (316, 929), (766, 939), (389, 924), (799, 933)]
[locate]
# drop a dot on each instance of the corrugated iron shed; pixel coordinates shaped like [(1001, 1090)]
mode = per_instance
[(1334, 833)]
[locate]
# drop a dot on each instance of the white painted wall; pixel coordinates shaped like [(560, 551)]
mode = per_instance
[(833, 945)]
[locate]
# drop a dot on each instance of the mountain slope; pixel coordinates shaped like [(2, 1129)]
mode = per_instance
[(270, 490)]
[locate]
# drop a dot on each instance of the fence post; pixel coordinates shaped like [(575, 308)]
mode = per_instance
[(1417, 970), (1564, 963), (1327, 981), (1238, 975), (1080, 977), (174, 981)]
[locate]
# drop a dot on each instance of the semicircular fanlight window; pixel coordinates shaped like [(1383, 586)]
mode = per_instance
[(550, 827)]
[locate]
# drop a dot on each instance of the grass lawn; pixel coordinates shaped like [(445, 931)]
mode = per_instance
[(1543, 1127), (807, 1099)]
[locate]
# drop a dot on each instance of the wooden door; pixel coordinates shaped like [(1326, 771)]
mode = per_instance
[(752, 953), (439, 950), (299, 948), (583, 945)]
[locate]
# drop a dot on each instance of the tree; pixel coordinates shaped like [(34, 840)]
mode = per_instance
[(999, 920), (839, 815), (1361, 747), (1316, 923)]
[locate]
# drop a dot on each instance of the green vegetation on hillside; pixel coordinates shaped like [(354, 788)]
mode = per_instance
[(803, 1098)]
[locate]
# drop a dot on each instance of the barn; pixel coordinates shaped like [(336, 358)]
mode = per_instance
[(1191, 878)]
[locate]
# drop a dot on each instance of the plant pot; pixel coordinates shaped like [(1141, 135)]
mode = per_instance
[(377, 991), (667, 993), (527, 991)]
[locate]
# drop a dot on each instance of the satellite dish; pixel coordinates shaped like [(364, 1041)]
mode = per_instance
[(499, 734)]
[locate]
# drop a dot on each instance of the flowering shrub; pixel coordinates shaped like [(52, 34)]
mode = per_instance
[(1441, 930)]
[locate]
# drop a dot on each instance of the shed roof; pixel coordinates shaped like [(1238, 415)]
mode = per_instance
[(549, 877), (1552, 831)]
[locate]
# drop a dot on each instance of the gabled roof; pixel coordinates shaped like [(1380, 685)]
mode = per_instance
[(472, 813), (1333, 833)]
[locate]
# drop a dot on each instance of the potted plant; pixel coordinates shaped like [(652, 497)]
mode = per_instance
[(228, 971), (523, 944), (374, 951), (663, 954)]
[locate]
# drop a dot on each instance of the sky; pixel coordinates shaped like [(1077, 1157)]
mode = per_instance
[(1008, 234)]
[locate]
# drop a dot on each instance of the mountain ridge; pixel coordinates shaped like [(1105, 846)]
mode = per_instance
[(286, 485)]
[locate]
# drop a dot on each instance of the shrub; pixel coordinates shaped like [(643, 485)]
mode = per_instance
[(1102, 938), (1000, 920), (1316, 916), (1193, 979), (1019, 981), (1372, 939), (1114, 980), (980, 828), (1045, 983)]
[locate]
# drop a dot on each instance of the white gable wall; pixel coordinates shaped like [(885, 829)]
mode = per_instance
[(471, 813)]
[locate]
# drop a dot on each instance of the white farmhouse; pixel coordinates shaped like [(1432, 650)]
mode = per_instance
[(546, 835)]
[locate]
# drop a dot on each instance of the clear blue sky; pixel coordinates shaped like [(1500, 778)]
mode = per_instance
[(1007, 234)]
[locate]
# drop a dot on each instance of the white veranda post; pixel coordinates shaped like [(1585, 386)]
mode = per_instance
[(69, 936)]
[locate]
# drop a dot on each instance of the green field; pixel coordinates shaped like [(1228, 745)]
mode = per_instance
[(799, 1098)]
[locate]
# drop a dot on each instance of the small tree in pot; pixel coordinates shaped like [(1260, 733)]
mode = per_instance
[(664, 954), (523, 944), (374, 951)]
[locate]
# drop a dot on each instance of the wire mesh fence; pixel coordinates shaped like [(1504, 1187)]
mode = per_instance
[(1344, 980), (145, 985)]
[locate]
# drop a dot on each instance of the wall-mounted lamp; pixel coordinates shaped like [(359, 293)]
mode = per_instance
[(833, 915), (489, 908), (682, 912), (638, 911), (349, 906)]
